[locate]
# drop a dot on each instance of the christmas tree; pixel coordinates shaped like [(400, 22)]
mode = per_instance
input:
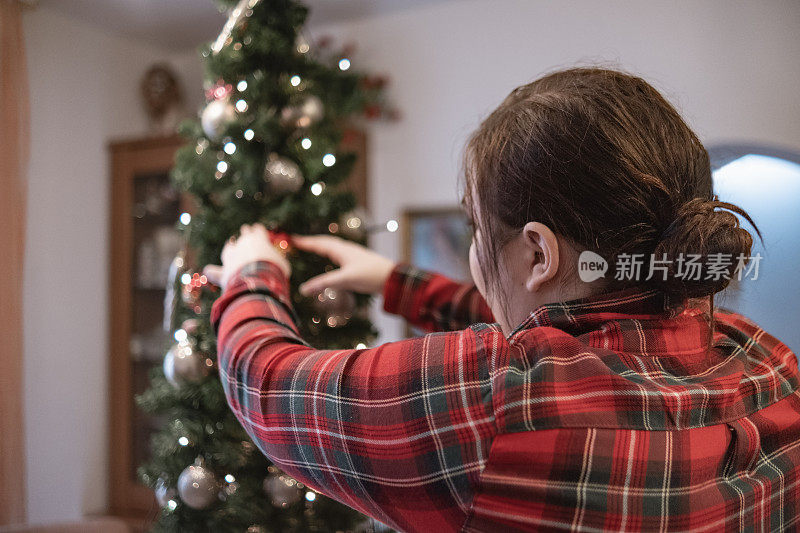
[(268, 149)]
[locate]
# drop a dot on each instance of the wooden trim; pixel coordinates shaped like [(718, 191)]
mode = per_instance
[(14, 149)]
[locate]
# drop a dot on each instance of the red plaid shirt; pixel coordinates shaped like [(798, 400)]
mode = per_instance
[(604, 413)]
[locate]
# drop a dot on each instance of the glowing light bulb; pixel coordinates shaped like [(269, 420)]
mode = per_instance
[(172, 504), (249, 134), (222, 166), (360, 346), (229, 148), (344, 64), (310, 496), (241, 86), (316, 189), (229, 478), (186, 278), (183, 441), (186, 218), (295, 80), (392, 225), (306, 143), (181, 335), (241, 106), (328, 160)]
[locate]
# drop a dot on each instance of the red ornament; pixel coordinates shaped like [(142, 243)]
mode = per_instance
[(281, 240)]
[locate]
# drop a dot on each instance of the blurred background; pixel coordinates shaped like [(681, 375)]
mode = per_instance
[(730, 67)]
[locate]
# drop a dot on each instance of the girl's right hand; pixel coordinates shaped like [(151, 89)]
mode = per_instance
[(360, 269)]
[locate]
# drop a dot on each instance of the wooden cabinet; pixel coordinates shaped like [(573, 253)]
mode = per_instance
[(144, 212)]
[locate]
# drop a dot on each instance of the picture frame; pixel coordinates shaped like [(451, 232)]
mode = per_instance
[(436, 239)]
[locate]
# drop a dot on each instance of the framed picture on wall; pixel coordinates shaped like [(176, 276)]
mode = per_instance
[(437, 239)]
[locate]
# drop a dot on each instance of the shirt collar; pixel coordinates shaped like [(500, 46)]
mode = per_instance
[(585, 314)]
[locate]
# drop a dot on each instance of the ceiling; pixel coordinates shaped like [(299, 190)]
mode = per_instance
[(182, 24)]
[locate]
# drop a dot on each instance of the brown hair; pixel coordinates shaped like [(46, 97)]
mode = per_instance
[(603, 160)]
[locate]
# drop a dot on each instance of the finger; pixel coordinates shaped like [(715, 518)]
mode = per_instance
[(213, 273), (324, 245), (334, 279)]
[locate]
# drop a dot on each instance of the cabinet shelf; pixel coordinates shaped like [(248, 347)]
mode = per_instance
[(144, 211)]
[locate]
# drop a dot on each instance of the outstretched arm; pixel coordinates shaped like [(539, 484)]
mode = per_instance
[(400, 432), (432, 301), (427, 300)]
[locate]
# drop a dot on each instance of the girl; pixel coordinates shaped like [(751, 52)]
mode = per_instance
[(626, 402)]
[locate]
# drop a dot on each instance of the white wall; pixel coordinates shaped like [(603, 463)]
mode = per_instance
[(84, 92), (729, 66)]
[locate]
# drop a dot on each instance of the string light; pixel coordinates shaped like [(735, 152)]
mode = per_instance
[(186, 278), (295, 80), (328, 160), (392, 225), (344, 64), (241, 86), (181, 335), (241, 106), (316, 189), (172, 504), (306, 143), (229, 148), (183, 441), (186, 218), (360, 346), (249, 134), (229, 478), (222, 166), (310, 496), (239, 193)]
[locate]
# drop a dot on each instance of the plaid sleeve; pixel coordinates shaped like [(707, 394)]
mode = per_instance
[(432, 301), (399, 432)]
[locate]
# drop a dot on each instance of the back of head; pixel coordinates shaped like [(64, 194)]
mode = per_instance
[(603, 159)]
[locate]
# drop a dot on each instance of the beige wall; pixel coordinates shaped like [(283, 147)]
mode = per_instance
[(84, 91), (729, 66)]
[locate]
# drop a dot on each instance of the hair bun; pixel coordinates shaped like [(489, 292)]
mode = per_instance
[(699, 229)]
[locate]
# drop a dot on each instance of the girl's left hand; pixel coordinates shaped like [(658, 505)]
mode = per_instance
[(253, 244)]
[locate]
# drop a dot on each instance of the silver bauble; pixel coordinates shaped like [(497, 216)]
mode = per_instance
[(335, 306), (282, 175), (308, 111), (164, 493), (282, 490), (353, 224), (197, 486), (216, 116), (184, 364)]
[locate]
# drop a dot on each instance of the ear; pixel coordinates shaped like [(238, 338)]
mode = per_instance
[(541, 253)]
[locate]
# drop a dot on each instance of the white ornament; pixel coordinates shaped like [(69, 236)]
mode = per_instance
[(184, 364), (216, 116), (282, 490), (309, 111), (282, 175)]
